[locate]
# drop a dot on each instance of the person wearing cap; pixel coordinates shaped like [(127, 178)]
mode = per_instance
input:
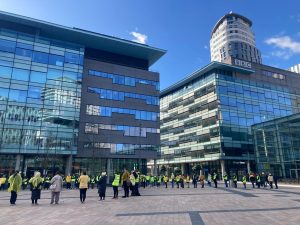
[(102, 186)]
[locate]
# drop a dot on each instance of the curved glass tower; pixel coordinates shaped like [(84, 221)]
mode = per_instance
[(232, 36)]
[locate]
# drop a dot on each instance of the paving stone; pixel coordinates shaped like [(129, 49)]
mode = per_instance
[(159, 206)]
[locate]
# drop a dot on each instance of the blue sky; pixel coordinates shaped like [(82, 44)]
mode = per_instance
[(181, 27)]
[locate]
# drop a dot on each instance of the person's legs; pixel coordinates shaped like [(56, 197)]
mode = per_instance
[(84, 194), (57, 194), (13, 197), (52, 197), (114, 189), (81, 194), (137, 192), (126, 190)]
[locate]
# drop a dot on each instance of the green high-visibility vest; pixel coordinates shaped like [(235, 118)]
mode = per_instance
[(258, 178), (137, 180), (116, 181), (234, 178), (244, 179), (225, 177)]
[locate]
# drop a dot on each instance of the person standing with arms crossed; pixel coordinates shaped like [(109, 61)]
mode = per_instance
[(83, 186)]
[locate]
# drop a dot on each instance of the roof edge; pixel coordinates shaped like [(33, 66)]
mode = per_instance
[(199, 72), (227, 15)]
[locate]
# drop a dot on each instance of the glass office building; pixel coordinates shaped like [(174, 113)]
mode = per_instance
[(40, 97), (206, 118), (277, 146), (74, 100)]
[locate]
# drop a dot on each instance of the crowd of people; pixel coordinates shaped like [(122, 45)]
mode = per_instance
[(130, 181)]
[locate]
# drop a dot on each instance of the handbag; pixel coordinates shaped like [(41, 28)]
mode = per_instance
[(52, 187)]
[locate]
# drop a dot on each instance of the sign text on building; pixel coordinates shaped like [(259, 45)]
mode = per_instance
[(242, 63)]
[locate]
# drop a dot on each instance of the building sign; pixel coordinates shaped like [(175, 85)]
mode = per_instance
[(242, 63)]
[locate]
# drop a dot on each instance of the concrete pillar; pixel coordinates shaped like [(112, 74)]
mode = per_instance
[(201, 172), (222, 168), (140, 165), (182, 168), (109, 170), (69, 162), (19, 158), (155, 168), (248, 166)]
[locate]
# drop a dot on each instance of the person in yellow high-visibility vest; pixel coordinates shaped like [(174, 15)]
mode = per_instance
[(115, 185), (177, 180), (68, 181), (244, 180), (166, 179), (15, 183), (187, 180), (2, 182)]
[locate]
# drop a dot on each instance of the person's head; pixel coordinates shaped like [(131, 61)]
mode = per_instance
[(83, 173), (37, 174), (103, 174), (57, 173), (125, 170)]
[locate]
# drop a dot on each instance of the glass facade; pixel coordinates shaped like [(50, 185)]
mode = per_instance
[(124, 80), (40, 89), (127, 130), (94, 165), (277, 146), (120, 96), (209, 118), (95, 110), (56, 110)]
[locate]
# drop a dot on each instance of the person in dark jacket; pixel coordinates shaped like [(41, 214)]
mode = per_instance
[(102, 186), (195, 180), (275, 181)]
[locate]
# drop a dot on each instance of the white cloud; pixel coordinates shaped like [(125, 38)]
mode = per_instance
[(138, 37), (282, 54), (285, 46), (205, 46)]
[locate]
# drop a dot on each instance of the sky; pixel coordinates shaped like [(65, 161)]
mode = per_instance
[(182, 28)]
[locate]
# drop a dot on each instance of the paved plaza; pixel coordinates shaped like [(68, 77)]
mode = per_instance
[(160, 206)]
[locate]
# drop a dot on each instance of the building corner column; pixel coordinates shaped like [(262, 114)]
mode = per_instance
[(155, 168), (182, 168), (248, 166), (222, 168), (108, 170), (68, 169), (19, 158)]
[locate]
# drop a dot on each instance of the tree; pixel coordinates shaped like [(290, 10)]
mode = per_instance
[(177, 171), (163, 169), (196, 168)]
